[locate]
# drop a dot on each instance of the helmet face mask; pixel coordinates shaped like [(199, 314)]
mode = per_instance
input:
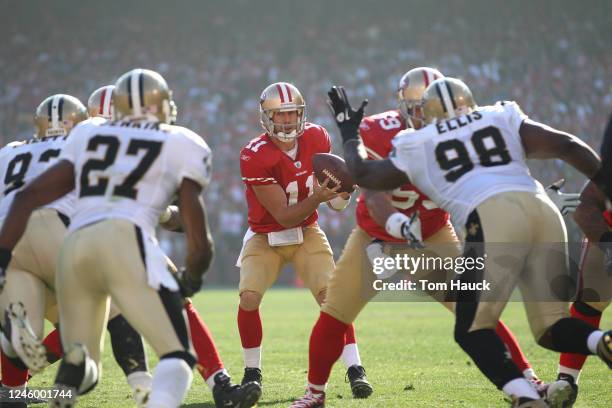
[(57, 115), (278, 98), (410, 92)]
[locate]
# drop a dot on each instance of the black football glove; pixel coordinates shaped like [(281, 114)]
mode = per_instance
[(605, 244), (346, 118), (188, 285), (5, 260)]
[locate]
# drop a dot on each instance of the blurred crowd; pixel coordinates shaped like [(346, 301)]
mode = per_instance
[(553, 57)]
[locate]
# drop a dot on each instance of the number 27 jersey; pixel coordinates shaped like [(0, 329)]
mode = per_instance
[(132, 170), (461, 162)]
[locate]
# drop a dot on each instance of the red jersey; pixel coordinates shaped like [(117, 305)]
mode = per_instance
[(263, 163), (377, 132), (608, 216)]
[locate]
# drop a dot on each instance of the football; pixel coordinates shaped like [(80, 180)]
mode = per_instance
[(332, 166)]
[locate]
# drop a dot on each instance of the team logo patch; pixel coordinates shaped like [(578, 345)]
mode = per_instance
[(298, 164)]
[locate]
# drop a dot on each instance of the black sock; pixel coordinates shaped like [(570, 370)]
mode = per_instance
[(128, 348), (568, 335)]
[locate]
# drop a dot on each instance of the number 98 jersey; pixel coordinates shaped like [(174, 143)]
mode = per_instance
[(132, 170), (262, 163), (461, 162), (21, 162), (377, 132)]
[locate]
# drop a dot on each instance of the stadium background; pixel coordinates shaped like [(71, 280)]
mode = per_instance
[(552, 57)]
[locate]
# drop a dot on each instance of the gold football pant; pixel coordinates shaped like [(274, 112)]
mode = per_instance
[(523, 237), (350, 287), (30, 278), (261, 263), (108, 258), (595, 285)]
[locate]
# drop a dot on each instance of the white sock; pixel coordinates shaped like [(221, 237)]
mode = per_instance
[(593, 340), (350, 355), (314, 388), (210, 381), (569, 371), (519, 387), (171, 380), (140, 379), (529, 373), (252, 357)]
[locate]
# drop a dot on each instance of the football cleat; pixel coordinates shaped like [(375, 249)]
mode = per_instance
[(604, 348), (141, 396), (524, 402), (228, 395), (563, 392), (360, 386), (310, 400), (28, 347), (252, 374), (538, 385)]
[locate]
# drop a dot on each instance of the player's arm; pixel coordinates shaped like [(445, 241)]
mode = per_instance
[(200, 246), (54, 183), (589, 216), (372, 174), (543, 142), (273, 198)]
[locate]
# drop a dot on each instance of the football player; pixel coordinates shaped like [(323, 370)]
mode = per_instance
[(29, 281), (124, 173), (594, 216), (283, 195), (377, 210), (471, 161), (209, 363)]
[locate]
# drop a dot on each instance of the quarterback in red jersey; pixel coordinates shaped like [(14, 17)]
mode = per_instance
[(283, 196), (380, 217)]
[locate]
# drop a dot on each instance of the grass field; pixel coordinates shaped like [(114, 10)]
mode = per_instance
[(407, 349)]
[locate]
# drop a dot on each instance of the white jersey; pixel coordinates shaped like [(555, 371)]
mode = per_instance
[(461, 162), (132, 171), (21, 162)]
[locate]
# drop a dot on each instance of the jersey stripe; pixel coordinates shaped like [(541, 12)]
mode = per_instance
[(373, 154)]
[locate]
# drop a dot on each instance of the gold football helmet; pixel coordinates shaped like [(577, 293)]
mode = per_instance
[(410, 92), (142, 94), (57, 115), (282, 97), (446, 98), (100, 102)]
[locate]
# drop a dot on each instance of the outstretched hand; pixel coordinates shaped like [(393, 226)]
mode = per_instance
[(346, 117)]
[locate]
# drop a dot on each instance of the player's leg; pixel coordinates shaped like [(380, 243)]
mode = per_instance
[(314, 264), (129, 353), (477, 312), (260, 267), (589, 307), (348, 290), (445, 244)]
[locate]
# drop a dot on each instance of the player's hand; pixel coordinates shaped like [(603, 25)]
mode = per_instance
[(322, 193), (346, 118), (411, 230), (566, 203), (5, 260), (376, 254), (188, 285)]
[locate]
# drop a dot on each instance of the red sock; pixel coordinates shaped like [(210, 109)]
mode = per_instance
[(208, 357), (349, 335), (53, 343), (512, 345), (326, 343), (249, 326), (576, 361), (11, 375)]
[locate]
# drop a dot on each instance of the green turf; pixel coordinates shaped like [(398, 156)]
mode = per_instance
[(407, 349)]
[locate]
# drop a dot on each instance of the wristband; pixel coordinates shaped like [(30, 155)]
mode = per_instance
[(394, 223), (339, 203)]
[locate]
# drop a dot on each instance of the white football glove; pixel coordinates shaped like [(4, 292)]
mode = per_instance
[(377, 256), (566, 203), (401, 226)]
